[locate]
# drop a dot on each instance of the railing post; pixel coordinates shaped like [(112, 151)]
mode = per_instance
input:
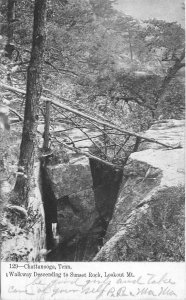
[(47, 126)]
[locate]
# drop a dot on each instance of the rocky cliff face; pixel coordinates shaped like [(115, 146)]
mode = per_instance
[(93, 213), (148, 218), (79, 197)]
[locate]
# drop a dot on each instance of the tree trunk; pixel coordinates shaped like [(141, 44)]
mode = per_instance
[(10, 18), (28, 146), (9, 47)]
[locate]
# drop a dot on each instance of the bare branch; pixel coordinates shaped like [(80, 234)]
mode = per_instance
[(88, 137), (16, 113), (90, 155), (88, 117), (72, 102)]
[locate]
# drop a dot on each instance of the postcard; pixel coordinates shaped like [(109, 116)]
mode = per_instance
[(92, 120)]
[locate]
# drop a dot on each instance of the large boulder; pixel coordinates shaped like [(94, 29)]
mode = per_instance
[(72, 177), (148, 219), (72, 186)]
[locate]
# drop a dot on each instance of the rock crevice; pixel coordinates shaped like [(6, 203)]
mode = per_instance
[(79, 196), (103, 214)]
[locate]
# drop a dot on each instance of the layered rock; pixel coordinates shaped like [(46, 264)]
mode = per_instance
[(148, 219)]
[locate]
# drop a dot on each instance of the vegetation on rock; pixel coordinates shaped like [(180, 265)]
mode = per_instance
[(159, 234)]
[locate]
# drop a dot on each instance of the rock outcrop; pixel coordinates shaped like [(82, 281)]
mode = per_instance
[(73, 190), (148, 219), (69, 196), (79, 196)]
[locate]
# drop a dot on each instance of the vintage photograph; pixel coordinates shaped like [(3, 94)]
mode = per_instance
[(92, 107)]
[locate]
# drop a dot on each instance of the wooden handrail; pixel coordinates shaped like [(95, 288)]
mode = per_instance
[(87, 117)]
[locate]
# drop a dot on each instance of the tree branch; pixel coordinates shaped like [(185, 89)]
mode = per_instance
[(16, 113), (89, 155), (88, 117), (84, 132)]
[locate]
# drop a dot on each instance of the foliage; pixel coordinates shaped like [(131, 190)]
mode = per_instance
[(101, 59), (9, 150), (159, 234), (106, 59), (17, 230), (172, 105)]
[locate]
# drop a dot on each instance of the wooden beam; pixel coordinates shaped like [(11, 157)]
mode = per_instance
[(88, 117)]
